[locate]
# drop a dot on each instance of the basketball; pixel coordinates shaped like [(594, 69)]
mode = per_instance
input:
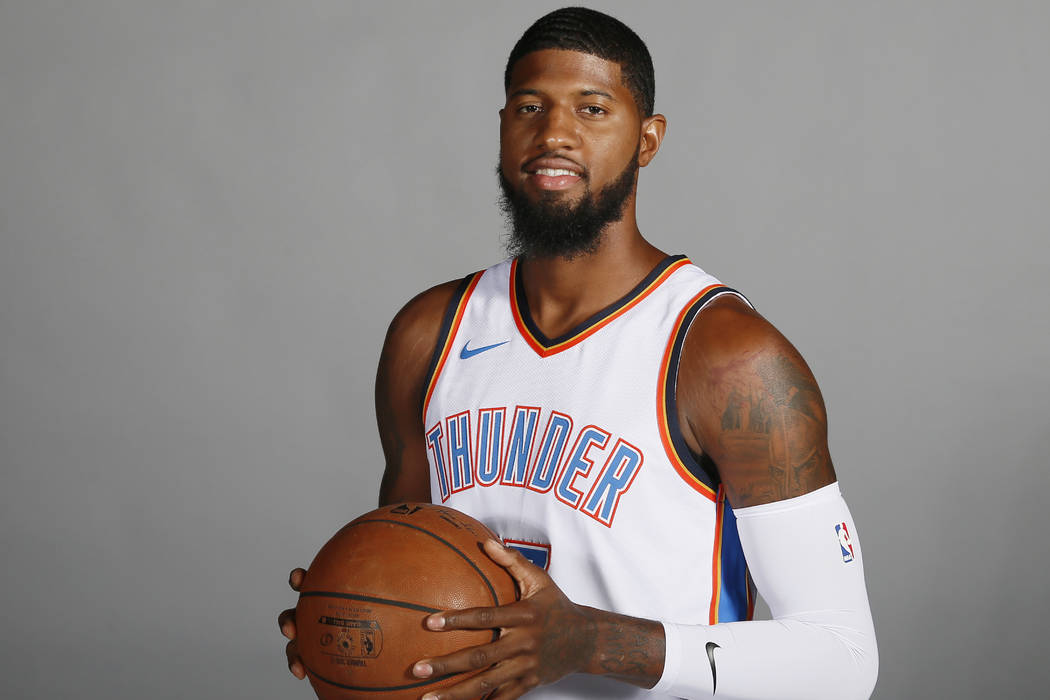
[(363, 602)]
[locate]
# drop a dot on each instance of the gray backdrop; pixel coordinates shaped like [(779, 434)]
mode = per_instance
[(210, 211)]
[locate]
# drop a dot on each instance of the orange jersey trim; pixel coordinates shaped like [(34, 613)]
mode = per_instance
[(546, 351), (750, 594), (661, 402), (716, 559), (447, 342)]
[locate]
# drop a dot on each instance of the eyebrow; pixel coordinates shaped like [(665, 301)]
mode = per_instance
[(524, 91), (583, 93)]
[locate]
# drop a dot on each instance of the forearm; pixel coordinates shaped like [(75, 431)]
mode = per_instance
[(785, 659), (820, 644), (825, 654), (626, 648)]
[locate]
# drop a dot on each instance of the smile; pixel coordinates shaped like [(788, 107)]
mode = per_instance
[(555, 172)]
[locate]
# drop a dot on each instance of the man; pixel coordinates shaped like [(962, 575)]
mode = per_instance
[(606, 408)]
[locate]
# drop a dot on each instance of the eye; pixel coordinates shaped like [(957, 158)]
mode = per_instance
[(529, 109), (595, 110)]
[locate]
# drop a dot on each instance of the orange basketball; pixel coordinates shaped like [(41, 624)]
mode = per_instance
[(366, 594)]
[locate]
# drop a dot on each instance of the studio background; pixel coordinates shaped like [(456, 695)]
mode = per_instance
[(209, 212)]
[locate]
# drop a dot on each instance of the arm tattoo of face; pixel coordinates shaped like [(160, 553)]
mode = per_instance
[(775, 428)]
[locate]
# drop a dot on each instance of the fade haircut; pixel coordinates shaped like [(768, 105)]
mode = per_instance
[(592, 32)]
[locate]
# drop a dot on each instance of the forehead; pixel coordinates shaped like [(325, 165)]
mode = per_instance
[(557, 69)]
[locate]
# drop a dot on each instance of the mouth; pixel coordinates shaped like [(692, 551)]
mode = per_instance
[(555, 172), (552, 174)]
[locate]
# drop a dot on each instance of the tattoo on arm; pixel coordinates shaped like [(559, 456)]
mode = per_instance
[(568, 641), (774, 429), (628, 649), (627, 653)]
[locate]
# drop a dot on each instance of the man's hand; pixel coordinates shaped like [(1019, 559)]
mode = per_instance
[(544, 636), (286, 621)]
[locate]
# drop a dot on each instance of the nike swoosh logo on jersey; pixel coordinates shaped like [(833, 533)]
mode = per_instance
[(711, 646), (467, 353)]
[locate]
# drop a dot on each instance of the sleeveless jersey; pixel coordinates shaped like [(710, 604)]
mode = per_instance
[(570, 449)]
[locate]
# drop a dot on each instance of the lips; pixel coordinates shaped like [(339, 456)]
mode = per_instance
[(554, 173)]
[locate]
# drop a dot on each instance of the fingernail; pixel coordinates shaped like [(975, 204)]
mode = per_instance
[(436, 622), (422, 670), (430, 696)]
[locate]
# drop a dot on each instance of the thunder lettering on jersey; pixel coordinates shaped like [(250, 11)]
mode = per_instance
[(569, 447), (529, 448)]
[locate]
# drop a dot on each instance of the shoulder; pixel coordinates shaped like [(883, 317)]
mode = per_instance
[(748, 400), (730, 336), (730, 322), (411, 339), (426, 309)]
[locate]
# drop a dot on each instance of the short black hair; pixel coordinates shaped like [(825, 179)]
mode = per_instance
[(592, 32)]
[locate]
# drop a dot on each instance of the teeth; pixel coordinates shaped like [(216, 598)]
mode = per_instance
[(555, 172)]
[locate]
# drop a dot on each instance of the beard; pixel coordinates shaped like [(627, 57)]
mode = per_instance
[(552, 228)]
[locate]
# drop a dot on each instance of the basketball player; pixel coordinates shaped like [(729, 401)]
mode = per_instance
[(643, 440)]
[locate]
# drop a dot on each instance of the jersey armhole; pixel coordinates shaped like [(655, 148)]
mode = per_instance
[(701, 477), (449, 325)]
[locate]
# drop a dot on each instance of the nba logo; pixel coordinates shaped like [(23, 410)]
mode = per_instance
[(844, 542)]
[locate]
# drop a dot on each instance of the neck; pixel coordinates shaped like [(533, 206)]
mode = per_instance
[(563, 293)]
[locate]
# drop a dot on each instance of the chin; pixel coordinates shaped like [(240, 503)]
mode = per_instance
[(559, 197)]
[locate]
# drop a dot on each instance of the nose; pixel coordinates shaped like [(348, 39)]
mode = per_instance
[(558, 130)]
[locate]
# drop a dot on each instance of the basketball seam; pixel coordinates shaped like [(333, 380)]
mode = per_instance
[(411, 606), (369, 599), (454, 548), (377, 688)]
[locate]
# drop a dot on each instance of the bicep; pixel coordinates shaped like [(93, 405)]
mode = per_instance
[(754, 408), (405, 474), (402, 372)]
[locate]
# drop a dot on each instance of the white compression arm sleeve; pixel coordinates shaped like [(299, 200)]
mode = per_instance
[(804, 556)]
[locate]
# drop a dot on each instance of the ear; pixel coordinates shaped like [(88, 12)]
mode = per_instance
[(653, 129)]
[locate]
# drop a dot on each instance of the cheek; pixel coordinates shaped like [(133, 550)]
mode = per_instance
[(507, 160), (514, 126), (628, 145), (514, 147), (616, 154)]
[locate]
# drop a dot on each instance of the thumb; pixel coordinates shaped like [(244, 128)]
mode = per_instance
[(531, 578)]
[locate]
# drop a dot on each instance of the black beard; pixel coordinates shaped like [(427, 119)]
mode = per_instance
[(551, 228)]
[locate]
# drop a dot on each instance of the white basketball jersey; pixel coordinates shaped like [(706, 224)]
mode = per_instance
[(569, 448)]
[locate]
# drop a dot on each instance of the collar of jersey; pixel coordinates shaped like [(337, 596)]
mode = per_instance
[(545, 346)]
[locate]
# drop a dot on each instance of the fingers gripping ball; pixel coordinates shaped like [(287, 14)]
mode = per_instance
[(363, 603)]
